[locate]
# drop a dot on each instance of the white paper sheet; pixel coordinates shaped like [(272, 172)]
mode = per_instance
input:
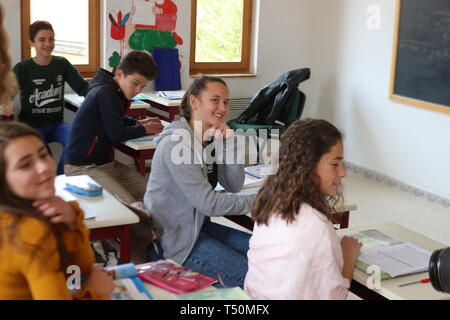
[(396, 260), (144, 13)]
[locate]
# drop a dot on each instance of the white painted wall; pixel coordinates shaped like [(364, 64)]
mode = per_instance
[(281, 24), (349, 84), (12, 25)]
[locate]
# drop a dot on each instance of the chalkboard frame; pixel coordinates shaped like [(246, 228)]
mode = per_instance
[(402, 99)]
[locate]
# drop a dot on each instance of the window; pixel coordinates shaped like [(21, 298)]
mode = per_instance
[(220, 36), (77, 30)]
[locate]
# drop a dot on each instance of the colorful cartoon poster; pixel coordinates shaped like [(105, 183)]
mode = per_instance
[(140, 25)]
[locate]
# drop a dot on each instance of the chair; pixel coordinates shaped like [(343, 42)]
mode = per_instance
[(288, 114), (276, 106)]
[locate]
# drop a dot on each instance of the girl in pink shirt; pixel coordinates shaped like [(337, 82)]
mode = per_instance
[(294, 250)]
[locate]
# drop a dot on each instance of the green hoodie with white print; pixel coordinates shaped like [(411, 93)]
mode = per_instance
[(42, 90)]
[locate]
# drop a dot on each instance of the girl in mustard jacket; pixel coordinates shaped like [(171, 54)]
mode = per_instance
[(41, 235)]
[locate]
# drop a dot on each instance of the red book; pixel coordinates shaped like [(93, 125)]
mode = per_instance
[(173, 278)]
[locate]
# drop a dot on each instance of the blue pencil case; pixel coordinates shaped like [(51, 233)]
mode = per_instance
[(88, 189)]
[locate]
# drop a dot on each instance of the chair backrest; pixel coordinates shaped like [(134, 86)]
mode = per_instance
[(268, 104), (293, 109)]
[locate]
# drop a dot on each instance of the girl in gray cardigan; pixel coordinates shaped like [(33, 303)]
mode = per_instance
[(180, 193)]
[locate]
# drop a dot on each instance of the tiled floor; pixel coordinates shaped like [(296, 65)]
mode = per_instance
[(380, 203)]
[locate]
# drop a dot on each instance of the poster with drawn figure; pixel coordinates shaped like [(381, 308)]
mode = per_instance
[(144, 12), (139, 25)]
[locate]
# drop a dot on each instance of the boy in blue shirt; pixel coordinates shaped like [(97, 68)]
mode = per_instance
[(41, 80)]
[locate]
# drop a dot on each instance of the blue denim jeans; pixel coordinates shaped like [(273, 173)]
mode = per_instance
[(223, 249), (59, 133)]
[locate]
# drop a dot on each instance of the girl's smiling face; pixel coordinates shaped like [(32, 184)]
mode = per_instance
[(211, 107), (30, 170), (330, 170)]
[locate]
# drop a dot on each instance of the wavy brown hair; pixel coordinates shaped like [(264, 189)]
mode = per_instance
[(296, 181), (8, 83), (19, 207)]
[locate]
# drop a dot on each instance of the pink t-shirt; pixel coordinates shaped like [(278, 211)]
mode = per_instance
[(300, 260)]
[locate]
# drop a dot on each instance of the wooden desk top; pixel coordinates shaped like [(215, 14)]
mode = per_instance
[(252, 187), (74, 99), (144, 144), (153, 96), (77, 100), (390, 288), (107, 209)]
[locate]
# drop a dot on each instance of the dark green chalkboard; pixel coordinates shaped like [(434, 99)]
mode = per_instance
[(421, 59)]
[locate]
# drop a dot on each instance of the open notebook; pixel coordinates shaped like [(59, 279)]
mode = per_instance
[(172, 95), (395, 258)]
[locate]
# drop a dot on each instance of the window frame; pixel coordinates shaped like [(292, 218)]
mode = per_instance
[(243, 67), (86, 70)]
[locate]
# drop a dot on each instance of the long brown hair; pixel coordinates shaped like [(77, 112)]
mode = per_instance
[(15, 205), (296, 181), (195, 89), (8, 83)]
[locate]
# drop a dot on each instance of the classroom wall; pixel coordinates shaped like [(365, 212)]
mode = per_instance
[(277, 24), (272, 37), (349, 83), (351, 86), (12, 24)]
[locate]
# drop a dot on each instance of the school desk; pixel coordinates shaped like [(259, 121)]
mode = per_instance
[(390, 288), (341, 217), (137, 108), (165, 109), (140, 151), (112, 220)]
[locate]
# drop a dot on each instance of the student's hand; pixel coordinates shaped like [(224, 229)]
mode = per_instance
[(219, 131), (7, 109), (56, 210), (153, 127), (148, 120), (100, 281), (351, 248)]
